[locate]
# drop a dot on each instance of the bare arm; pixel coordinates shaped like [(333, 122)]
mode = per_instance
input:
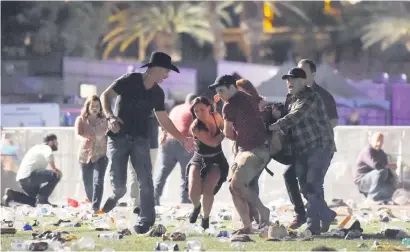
[(228, 131), (106, 99), (79, 129), (219, 121), (206, 137), (168, 125)]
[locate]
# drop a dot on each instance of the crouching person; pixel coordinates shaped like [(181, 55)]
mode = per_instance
[(37, 182), (374, 176)]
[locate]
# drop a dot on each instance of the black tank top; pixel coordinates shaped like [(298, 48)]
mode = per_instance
[(204, 149)]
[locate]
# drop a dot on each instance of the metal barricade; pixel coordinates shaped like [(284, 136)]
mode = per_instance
[(350, 140)]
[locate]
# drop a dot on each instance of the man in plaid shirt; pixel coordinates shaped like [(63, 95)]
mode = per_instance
[(312, 143)]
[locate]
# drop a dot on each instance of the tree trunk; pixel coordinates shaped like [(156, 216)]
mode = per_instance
[(219, 49), (252, 25), (168, 43)]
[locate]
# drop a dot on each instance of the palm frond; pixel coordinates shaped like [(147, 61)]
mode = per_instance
[(111, 45), (117, 30), (387, 31), (299, 12), (137, 34)]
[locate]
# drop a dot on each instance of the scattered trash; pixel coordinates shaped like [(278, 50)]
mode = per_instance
[(38, 246), (178, 236), (27, 227), (241, 238), (240, 246), (362, 245), (111, 236), (193, 245)]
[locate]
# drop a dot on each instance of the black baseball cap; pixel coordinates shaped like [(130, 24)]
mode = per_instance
[(295, 73), (224, 80)]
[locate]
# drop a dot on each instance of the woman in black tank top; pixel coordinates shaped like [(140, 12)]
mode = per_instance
[(208, 168)]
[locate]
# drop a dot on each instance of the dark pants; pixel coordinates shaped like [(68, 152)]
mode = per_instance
[(378, 185), (171, 153), (311, 168), (34, 188), (295, 196), (119, 150), (93, 179)]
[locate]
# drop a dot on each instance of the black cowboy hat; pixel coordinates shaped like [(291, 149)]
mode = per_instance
[(160, 59)]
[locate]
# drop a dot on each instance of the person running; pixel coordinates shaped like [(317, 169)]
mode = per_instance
[(208, 168), (138, 95), (243, 123)]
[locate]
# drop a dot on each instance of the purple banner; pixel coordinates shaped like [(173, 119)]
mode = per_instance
[(371, 116), (401, 104)]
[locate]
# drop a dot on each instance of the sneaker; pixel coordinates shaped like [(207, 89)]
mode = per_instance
[(326, 224), (297, 222), (98, 212), (109, 205), (205, 223), (194, 214)]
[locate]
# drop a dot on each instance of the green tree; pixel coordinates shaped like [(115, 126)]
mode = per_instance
[(252, 22), (389, 25), (163, 23)]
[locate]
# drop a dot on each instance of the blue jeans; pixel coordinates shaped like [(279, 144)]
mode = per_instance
[(93, 179), (311, 168), (171, 153), (34, 188), (378, 185), (119, 150)]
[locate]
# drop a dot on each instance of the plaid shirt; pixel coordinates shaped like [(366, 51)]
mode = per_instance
[(308, 123)]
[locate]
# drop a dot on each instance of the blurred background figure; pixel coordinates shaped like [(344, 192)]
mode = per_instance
[(172, 152), (10, 162), (354, 118), (35, 179), (91, 127)]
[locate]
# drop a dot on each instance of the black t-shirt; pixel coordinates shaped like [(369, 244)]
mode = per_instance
[(135, 104), (328, 100)]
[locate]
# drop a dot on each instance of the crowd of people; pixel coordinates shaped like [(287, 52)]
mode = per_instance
[(297, 133)]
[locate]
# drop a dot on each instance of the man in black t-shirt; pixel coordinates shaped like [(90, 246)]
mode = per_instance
[(290, 175), (128, 137)]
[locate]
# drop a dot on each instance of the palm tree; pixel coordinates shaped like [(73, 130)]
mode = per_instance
[(252, 22), (389, 25), (162, 24), (85, 27)]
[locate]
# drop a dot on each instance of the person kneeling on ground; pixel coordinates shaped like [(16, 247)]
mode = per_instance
[(374, 176), (36, 181)]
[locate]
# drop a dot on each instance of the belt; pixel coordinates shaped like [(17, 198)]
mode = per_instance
[(208, 155)]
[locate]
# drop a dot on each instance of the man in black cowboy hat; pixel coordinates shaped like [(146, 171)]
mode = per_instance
[(138, 95)]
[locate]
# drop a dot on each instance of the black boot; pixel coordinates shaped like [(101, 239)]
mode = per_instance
[(205, 223), (194, 215)]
